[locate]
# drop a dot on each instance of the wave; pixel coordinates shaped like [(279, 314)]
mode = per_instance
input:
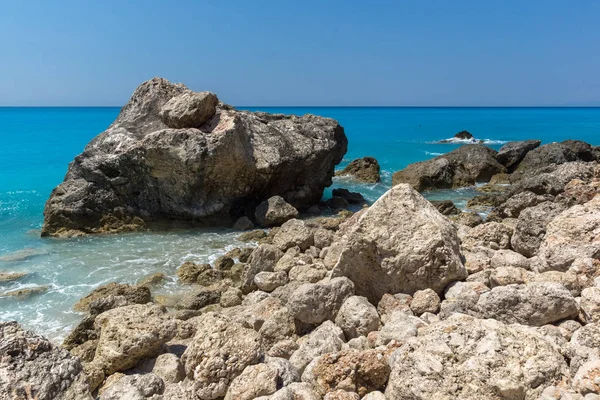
[(431, 153), (454, 140)]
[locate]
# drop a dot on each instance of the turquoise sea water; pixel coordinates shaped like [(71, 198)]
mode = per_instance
[(38, 143)]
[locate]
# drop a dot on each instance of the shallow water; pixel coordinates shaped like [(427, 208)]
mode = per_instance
[(38, 144)]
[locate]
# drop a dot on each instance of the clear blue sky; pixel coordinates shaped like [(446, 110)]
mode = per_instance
[(351, 52)]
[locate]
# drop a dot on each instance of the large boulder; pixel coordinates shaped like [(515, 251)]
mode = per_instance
[(154, 167), (399, 244), (472, 359), (131, 295), (364, 169), (327, 338), (552, 179), (531, 227), (33, 368), (313, 303), (511, 154), (554, 153), (462, 167)]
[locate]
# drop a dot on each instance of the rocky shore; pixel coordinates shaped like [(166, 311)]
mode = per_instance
[(404, 299)]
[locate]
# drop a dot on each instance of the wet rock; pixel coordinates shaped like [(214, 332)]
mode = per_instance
[(141, 173), (575, 233), (462, 167), (364, 169), (399, 244), (263, 259), (224, 263), (152, 280), (269, 281), (274, 212), (512, 153), (188, 271), (11, 276), (252, 236), (32, 367), (133, 295), (468, 218), (131, 334), (531, 227), (425, 300), (327, 338), (534, 304), (445, 207), (218, 353), (24, 293), (134, 387), (468, 358), (314, 303), (357, 317)]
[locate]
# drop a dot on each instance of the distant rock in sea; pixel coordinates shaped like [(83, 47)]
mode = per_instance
[(462, 137), (174, 157)]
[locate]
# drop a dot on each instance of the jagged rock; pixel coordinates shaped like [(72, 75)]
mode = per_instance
[(511, 154), (24, 293), (464, 166), (199, 298), (293, 233), (350, 197), (256, 380), (269, 281), (445, 207), (188, 271), (357, 317), (327, 338), (141, 174), (274, 212), (471, 359), (587, 378), (535, 304), (219, 352), (134, 387), (33, 368), (131, 334), (399, 244), (575, 233), (554, 153), (468, 218), (577, 192), (492, 235), (133, 295), (152, 279), (224, 263), (263, 259), (313, 303), (311, 273), (425, 300), (513, 206), (189, 110), (531, 227), (503, 276), (169, 368), (364, 169), (350, 370), (553, 179), (231, 297), (390, 303), (399, 327), (590, 304)]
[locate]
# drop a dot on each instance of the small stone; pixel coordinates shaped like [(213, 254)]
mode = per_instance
[(274, 212), (269, 281), (425, 301)]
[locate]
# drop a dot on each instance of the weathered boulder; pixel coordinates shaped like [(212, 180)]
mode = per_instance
[(531, 227), (554, 153), (326, 338), (575, 233), (364, 169), (492, 235), (590, 304), (425, 300), (256, 380), (462, 167), (132, 295), (142, 173), (471, 359), (263, 258), (274, 212), (553, 179), (511, 154), (294, 232), (31, 367), (512, 207), (586, 380), (169, 368), (313, 303), (357, 317), (218, 353), (399, 244), (535, 304), (269, 281), (399, 327), (133, 387)]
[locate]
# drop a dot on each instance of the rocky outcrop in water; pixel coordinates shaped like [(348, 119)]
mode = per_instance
[(364, 169), (174, 157)]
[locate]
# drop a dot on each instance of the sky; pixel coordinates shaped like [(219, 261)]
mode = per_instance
[(304, 53)]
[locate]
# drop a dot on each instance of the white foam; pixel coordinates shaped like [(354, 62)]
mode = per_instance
[(454, 140)]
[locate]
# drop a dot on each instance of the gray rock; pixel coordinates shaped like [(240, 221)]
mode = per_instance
[(243, 224), (263, 258), (531, 228), (512, 207), (168, 367), (511, 154), (357, 317), (32, 367), (553, 179), (364, 169), (274, 212), (492, 235), (399, 327), (134, 387), (294, 233), (269, 281), (141, 174), (590, 304), (425, 300), (327, 338), (189, 110), (313, 303)]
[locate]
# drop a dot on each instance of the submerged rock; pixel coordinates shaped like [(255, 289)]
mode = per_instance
[(132, 294), (364, 169), (24, 293), (155, 167), (33, 368), (11, 276)]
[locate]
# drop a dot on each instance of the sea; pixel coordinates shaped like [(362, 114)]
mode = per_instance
[(37, 145)]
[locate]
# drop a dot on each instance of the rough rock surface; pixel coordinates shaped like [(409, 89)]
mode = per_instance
[(357, 317), (274, 212), (464, 166), (132, 295), (472, 359), (33, 368), (399, 244), (531, 227), (364, 169), (511, 154), (327, 338), (134, 387), (140, 173), (555, 153), (314, 303)]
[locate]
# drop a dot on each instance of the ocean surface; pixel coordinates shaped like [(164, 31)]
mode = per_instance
[(37, 145)]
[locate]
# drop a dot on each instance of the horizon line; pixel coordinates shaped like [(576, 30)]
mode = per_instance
[(320, 106)]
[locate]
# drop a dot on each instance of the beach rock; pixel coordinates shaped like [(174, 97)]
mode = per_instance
[(219, 352), (11, 276), (141, 173), (462, 167), (445, 207), (132, 294), (492, 235), (326, 338), (511, 154), (468, 358), (231, 297), (31, 367), (399, 327), (311, 273), (198, 298), (587, 379), (553, 179), (295, 391), (531, 227), (512, 207), (535, 304), (313, 303), (169, 368), (575, 233), (468, 218), (24, 293), (350, 370), (509, 258), (256, 380), (131, 334), (252, 236), (357, 317), (269, 281), (350, 197), (364, 169), (590, 304), (263, 259), (390, 303), (274, 212), (504, 276), (188, 271), (189, 110), (555, 153), (294, 233), (399, 244), (133, 387), (425, 300)]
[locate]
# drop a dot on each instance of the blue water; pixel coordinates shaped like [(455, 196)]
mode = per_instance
[(38, 143)]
